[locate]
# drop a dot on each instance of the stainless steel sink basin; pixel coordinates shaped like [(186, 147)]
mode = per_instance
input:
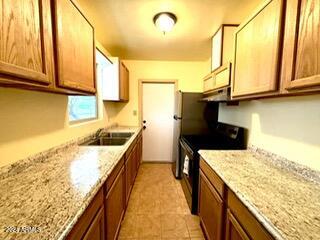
[(118, 134), (106, 141)]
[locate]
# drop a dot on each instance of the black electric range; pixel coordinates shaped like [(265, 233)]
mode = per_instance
[(223, 137)]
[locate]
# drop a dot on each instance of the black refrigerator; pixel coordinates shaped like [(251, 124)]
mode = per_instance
[(191, 116)]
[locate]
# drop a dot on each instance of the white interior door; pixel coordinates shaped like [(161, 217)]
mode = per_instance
[(158, 111)]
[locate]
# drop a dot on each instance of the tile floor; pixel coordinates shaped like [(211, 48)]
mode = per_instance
[(157, 208)]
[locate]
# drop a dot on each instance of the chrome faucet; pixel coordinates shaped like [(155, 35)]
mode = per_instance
[(98, 133)]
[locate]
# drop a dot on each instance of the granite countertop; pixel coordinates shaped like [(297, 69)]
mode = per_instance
[(51, 192), (283, 197)]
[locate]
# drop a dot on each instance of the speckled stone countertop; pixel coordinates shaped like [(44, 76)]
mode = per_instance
[(50, 192), (284, 199)]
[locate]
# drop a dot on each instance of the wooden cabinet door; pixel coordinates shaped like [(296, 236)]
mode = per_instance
[(301, 56), (139, 158), (26, 52), (115, 206), (258, 51), (96, 229), (128, 172), (234, 231), (75, 48), (124, 82), (210, 209)]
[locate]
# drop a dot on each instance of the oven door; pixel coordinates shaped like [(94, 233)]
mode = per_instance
[(187, 176)]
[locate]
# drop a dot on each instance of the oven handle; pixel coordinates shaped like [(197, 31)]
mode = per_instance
[(186, 147)]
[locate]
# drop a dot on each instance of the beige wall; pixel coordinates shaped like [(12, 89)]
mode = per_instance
[(188, 74), (289, 126)]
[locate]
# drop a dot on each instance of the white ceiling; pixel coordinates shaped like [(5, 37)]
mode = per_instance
[(125, 27)]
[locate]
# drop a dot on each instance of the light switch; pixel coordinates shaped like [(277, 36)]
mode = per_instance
[(134, 112)]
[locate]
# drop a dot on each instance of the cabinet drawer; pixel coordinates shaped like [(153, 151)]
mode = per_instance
[(247, 221), (214, 179)]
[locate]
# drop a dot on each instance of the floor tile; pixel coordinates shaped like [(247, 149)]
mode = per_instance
[(173, 226), (157, 208), (149, 226)]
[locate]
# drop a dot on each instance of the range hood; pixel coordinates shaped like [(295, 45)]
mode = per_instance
[(220, 95)]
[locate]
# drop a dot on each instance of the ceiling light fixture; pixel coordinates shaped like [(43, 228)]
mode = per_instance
[(165, 21)]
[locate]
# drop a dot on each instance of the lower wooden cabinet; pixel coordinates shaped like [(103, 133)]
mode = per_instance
[(234, 231), (96, 229), (222, 214), (128, 176), (114, 205), (91, 223), (211, 209)]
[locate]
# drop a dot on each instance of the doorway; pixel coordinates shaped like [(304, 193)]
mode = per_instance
[(157, 110)]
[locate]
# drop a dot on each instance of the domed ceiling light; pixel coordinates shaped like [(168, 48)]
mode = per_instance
[(165, 21)]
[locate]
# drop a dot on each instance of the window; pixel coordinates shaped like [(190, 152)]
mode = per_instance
[(82, 108)]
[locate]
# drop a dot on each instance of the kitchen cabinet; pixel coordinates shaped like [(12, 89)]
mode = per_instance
[(96, 229), (222, 45), (222, 214), (124, 82), (75, 48), (234, 231), (115, 84), (218, 79), (211, 209), (129, 165), (258, 47), (91, 223), (115, 205), (301, 52), (221, 58), (37, 32), (139, 152), (26, 50)]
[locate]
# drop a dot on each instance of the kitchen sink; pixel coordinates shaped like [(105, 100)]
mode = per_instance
[(106, 141), (118, 134)]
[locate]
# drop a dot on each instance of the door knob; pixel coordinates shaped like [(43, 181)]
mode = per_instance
[(144, 121)]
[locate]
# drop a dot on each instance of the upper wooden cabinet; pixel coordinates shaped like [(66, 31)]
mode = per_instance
[(218, 79), (26, 53), (124, 82), (222, 45), (75, 48), (301, 52), (115, 83), (258, 47), (28, 49), (221, 58)]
